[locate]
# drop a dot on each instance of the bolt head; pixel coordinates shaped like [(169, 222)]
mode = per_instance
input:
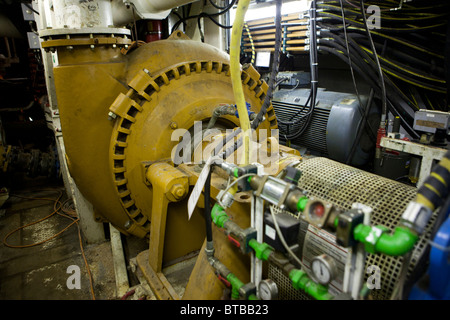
[(177, 191), (173, 125), (112, 115), (128, 224)]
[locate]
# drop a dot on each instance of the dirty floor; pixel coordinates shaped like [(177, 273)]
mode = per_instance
[(42, 272), (46, 271)]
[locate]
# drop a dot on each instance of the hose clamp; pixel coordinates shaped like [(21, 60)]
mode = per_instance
[(416, 217)]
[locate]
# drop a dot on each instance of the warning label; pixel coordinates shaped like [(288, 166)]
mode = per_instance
[(317, 242)]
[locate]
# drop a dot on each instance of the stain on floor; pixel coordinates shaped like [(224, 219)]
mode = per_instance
[(40, 272)]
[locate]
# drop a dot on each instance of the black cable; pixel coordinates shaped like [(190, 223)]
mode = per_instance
[(217, 6), (420, 54), (364, 56), (447, 66), (362, 113), (30, 7), (358, 60), (255, 124), (314, 75), (177, 24), (372, 82), (348, 54), (183, 9), (291, 122), (398, 73), (385, 18), (360, 128), (177, 14), (409, 129), (383, 87), (328, 16), (216, 22), (275, 64), (313, 66), (419, 63), (418, 48), (207, 209)]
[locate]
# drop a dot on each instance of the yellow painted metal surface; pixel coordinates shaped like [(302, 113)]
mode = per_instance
[(151, 91)]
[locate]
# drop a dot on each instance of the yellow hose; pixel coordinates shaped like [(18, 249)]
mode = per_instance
[(235, 72)]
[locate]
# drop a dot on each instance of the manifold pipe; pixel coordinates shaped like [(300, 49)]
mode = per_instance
[(82, 14)]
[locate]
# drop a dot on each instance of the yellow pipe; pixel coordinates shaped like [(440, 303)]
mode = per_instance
[(235, 73)]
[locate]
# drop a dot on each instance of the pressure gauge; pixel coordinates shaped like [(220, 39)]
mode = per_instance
[(268, 290), (324, 269)]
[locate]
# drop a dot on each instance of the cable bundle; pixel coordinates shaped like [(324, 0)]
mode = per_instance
[(403, 60), (260, 35), (210, 16), (298, 124)]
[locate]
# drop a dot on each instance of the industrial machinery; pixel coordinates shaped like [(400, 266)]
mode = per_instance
[(33, 162), (286, 228), (333, 127)]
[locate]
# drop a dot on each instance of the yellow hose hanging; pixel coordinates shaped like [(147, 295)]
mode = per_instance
[(235, 72)]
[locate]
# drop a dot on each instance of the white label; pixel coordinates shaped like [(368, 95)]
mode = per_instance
[(270, 232), (197, 191), (317, 242), (262, 59)]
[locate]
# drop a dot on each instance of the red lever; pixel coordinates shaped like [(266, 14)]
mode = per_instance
[(234, 241), (225, 281)]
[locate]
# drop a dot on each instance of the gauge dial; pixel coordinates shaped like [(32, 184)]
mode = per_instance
[(267, 290), (324, 269)]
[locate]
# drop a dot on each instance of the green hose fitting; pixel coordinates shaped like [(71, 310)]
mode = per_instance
[(301, 281), (236, 284), (218, 215), (301, 204), (262, 250), (377, 240)]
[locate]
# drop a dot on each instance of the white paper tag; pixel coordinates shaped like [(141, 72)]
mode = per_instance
[(197, 191)]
